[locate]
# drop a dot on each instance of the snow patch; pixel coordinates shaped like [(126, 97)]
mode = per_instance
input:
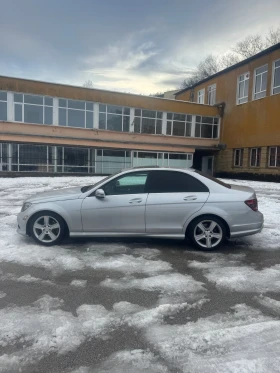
[(269, 303), (173, 287), (79, 283), (135, 361), (243, 340)]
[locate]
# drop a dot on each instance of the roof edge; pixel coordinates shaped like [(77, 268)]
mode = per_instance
[(238, 64)]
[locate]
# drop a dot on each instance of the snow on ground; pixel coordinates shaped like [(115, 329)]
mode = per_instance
[(173, 287), (229, 272), (268, 195), (135, 361), (240, 341)]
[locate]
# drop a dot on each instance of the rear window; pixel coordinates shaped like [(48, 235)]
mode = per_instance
[(173, 182), (214, 179)]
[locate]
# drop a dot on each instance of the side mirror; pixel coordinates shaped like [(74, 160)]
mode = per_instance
[(100, 193)]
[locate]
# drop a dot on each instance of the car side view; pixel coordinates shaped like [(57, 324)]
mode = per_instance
[(145, 202)]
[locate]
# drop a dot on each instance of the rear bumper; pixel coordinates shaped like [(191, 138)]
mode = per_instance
[(241, 230)]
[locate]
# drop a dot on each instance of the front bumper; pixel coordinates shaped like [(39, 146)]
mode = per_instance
[(22, 220)]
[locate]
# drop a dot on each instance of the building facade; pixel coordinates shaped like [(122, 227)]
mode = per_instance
[(248, 94), (59, 129)]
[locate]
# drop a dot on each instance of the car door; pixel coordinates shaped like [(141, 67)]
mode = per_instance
[(173, 196), (123, 208)]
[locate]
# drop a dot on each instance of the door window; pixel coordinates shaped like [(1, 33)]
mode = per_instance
[(133, 183), (173, 182)]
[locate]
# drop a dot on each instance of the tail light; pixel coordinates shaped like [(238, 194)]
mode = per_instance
[(252, 203)]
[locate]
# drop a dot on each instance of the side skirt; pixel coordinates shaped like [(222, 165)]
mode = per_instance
[(115, 234)]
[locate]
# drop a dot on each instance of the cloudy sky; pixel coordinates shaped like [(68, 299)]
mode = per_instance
[(139, 46)]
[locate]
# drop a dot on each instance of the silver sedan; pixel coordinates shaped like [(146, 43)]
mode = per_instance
[(145, 202)]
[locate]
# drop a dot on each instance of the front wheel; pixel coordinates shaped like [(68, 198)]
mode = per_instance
[(207, 232), (47, 228)]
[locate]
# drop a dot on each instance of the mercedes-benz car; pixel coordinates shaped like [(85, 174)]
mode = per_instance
[(145, 202)]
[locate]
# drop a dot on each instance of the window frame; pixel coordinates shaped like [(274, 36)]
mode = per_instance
[(156, 118), (79, 110), (103, 186), (277, 150), (237, 89), (211, 88), (186, 122), (256, 165), (202, 95), (273, 76), (240, 157), (255, 80), (122, 115), (213, 124), (23, 103), (6, 101)]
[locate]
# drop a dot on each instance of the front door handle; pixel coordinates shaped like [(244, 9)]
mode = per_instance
[(190, 198), (135, 200)]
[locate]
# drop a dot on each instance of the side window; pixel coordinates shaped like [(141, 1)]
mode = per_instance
[(173, 182), (133, 183)]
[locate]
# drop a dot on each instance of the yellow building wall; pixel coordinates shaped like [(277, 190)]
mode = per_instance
[(255, 123)]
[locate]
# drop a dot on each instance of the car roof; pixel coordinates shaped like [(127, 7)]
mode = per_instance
[(159, 168)]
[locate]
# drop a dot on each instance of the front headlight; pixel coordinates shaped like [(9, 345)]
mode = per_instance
[(25, 206)]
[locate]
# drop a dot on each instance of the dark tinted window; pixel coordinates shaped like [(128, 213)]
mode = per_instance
[(173, 182)]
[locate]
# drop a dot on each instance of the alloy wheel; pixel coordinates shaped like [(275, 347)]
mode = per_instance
[(208, 234), (46, 229)]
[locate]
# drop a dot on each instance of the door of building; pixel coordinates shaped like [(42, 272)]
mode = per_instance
[(207, 165)]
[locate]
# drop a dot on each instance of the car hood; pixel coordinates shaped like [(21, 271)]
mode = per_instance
[(56, 195)]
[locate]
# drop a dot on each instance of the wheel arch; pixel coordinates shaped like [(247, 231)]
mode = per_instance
[(28, 225), (208, 215)]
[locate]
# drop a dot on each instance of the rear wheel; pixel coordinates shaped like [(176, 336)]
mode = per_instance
[(207, 232), (47, 228)]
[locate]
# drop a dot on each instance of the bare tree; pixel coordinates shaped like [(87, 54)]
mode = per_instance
[(273, 37), (88, 84), (245, 48), (229, 59), (250, 46)]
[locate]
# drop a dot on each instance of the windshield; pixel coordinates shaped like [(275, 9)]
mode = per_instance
[(86, 188), (214, 179)]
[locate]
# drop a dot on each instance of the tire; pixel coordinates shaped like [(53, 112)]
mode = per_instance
[(47, 228), (207, 232)]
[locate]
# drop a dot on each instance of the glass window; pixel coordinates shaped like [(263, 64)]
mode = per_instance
[(274, 156), (212, 94), (238, 157), (255, 157), (206, 127), (179, 124), (133, 183), (114, 118), (33, 114), (201, 96), (148, 121), (75, 113), (32, 99), (32, 157), (76, 118), (276, 77), (3, 96), (3, 105), (33, 109), (173, 182), (260, 82), (243, 88)]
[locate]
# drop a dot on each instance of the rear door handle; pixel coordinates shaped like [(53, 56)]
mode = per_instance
[(190, 198), (135, 200)]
